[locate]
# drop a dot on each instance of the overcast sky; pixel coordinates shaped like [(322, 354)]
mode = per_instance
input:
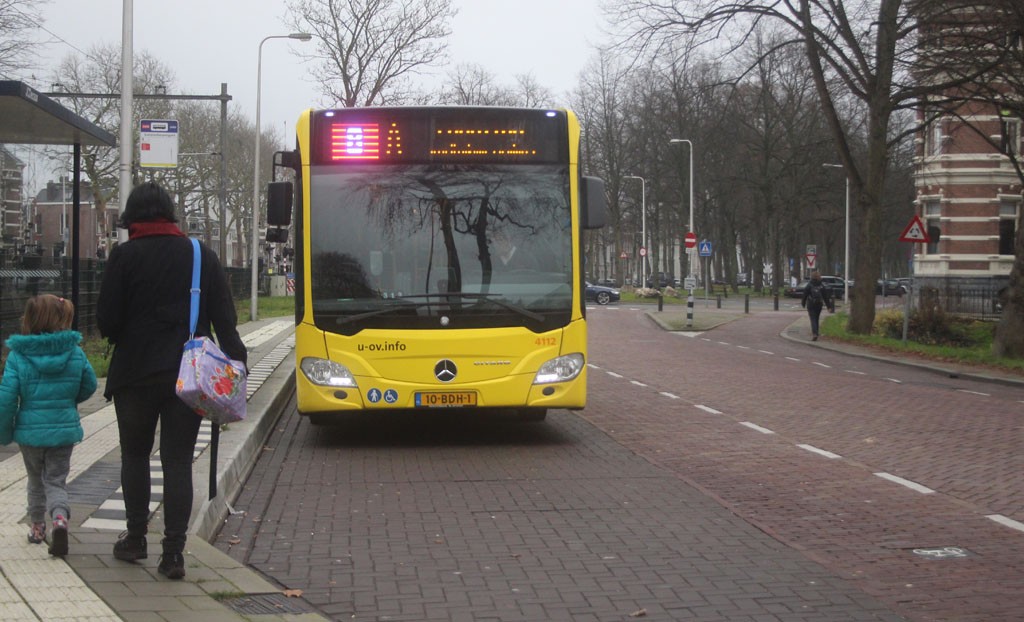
[(207, 42)]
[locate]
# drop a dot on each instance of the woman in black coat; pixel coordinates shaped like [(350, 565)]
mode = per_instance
[(143, 310)]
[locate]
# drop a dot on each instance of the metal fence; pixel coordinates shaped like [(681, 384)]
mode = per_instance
[(979, 302), (21, 280)]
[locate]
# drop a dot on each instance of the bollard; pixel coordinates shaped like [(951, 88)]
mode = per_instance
[(689, 309), (661, 302), (719, 301), (776, 302), (746, 303)]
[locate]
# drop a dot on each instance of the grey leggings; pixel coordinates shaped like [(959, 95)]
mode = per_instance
[(47, 469)]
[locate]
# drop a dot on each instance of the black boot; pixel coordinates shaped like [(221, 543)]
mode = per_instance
[(172, 565), (130, 548)]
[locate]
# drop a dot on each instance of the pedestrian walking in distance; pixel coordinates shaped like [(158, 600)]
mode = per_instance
[(143, 310), (47, 375), (816, 297)]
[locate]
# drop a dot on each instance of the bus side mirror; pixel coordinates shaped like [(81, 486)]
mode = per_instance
[(594, 207), (279, 203)]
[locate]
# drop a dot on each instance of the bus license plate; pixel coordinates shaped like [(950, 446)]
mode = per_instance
[(445, 399)]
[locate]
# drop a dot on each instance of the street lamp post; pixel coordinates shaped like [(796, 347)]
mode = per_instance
[(846, 244), (689, 299), (643, 225), (300, 36)]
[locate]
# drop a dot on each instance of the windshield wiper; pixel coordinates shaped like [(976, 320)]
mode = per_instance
[(491, 298), (382, 311)]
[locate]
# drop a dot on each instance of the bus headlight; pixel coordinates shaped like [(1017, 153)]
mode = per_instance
[(560, 369), (327, 373)]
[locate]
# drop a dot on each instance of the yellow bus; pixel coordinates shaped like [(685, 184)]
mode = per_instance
[(438, 259)]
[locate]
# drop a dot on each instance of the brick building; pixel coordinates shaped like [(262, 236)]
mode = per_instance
[(11, 192), (52, 214), (968, 193)]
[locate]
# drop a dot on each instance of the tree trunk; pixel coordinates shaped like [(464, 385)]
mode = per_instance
[(1009, 337)]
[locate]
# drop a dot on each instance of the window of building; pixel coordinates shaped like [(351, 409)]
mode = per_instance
[(1007, 226), (1010, 136), (932, 211), (936, 137)]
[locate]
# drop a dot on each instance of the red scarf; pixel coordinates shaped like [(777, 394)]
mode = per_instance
[(155, 227)]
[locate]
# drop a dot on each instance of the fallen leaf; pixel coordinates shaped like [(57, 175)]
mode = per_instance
[(639, 613), (292, 593), (235, 541)]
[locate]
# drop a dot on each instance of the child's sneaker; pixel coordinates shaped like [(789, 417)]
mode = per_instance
[(59, 537), (37, 533)]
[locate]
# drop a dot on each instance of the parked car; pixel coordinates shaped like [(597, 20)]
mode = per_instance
[(836, 284), (602, 295), (795, 291), (833, 283), (888, 287)]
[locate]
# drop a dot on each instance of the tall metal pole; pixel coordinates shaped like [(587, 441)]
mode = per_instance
[(222, 247), (254, 250), (846, 258), (125, 165), (643, 224), (846, 250), (689, 298)]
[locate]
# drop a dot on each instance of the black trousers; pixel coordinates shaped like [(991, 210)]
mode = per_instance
[(814, 311), (138, 409)]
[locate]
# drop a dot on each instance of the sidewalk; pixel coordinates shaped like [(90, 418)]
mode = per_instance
[(89, 584), (704, 318)]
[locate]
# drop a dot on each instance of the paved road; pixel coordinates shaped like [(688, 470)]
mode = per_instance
[(731, 475)]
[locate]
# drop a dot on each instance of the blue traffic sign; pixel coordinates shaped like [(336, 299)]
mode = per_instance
[(705, 248)]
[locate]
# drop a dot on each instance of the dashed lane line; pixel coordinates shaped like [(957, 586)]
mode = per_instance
[(924, 490), (820, 452), (754, 426)]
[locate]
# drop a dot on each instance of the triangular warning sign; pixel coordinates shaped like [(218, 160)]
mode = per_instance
[(915, 231)]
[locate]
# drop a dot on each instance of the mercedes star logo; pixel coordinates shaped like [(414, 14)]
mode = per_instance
[(445, 370)]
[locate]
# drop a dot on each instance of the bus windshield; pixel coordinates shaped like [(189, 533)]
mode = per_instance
[(440, 246)]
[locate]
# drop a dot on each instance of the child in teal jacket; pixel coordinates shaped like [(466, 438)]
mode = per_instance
[(47, 375)]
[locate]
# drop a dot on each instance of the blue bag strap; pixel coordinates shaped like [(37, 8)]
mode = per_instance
[(193, 318)]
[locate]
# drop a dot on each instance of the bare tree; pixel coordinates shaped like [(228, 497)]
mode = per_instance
[(18, 20), (366, 50), (100, 72), (862, 49)]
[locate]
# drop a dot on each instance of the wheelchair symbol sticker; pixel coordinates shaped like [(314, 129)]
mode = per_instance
[(391, 396)]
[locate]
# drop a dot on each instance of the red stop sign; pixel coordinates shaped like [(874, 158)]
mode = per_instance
[(690, 239)]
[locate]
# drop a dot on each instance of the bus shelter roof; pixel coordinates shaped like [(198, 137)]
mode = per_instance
[(27, 117)]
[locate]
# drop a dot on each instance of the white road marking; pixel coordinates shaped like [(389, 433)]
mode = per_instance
[(1009, 522), (708, 409), (743, 347), (637, 383), (754, 426), (765, 352), (613, 374), (592, 366), (854, 371), (906, 482), (822, 365), (820, 452), (975, 393), (790, 358), (894, 380), (669, 395), (724, 343)]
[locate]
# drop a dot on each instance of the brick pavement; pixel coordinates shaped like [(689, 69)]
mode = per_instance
[(956, 436), (449, 517)]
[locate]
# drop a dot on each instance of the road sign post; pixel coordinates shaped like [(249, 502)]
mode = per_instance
[(158, 143)]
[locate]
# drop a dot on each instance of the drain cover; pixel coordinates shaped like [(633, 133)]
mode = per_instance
[(943, 552), (257, 604)]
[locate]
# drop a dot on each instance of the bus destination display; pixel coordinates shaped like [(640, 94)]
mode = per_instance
[(386, 136)]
